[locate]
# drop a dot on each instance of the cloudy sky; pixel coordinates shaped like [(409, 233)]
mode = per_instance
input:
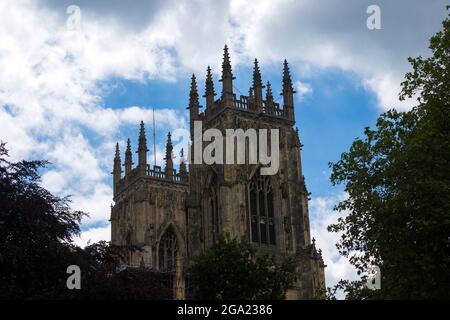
[(68, 94)]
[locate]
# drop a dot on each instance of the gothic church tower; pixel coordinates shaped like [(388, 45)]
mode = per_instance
[(175, 216)]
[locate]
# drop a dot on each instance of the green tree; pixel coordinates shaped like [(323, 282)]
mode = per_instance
[(36, 231), (103, 280), (398, 184), (231, 269)]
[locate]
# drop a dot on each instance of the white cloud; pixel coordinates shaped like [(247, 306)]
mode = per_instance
[(51, 96), (387, 87), (97, 203), (93, 235), (326, 35), (321, 216), (50, 75), (303, 89), (51, 79), (54, 181), (163, 117), (333, 34)]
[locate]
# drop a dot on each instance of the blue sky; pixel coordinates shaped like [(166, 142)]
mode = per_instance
[(329, 117), (68, 94)]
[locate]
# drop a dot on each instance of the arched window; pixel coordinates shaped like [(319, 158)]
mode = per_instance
[(261, 211), (168, 250), (213, 211)]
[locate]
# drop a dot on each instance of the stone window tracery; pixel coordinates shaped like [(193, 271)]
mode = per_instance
[(261, 211)]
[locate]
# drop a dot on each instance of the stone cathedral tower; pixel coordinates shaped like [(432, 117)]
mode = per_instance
[(174, 216)]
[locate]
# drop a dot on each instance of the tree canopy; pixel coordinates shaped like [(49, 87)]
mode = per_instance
[(36, 230), (36, 247), (231, 269), (398, 183)]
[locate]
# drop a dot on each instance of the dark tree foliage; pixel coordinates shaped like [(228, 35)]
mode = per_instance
[(231, 269), (102, 278), (103, 281), (36, 231), (398, 184)]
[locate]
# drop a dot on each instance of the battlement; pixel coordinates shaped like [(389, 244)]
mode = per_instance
[(156, 174), (247, 103), (169, 174), (256, 101)]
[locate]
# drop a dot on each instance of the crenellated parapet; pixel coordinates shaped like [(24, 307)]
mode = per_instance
[(268, 107), (144, 170), (168, 175), (256, 101)]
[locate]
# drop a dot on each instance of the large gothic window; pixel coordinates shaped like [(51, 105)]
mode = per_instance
[(261, 210), (168, 250), (213, 212)]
